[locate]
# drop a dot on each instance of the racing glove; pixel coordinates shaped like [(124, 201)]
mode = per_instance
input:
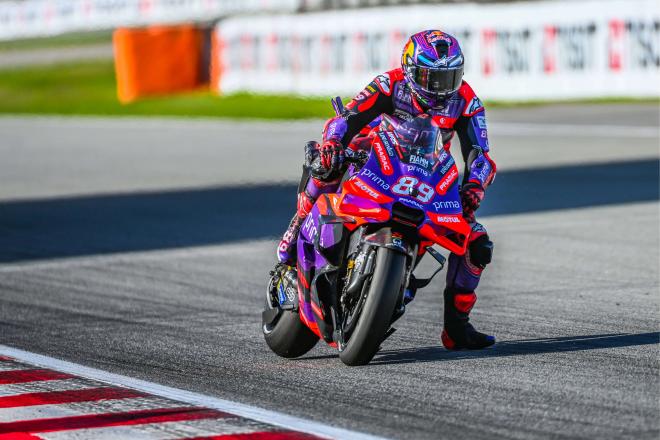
[(471, 196), (332, 155)]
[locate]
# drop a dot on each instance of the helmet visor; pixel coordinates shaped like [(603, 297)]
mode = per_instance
[(437, 81)]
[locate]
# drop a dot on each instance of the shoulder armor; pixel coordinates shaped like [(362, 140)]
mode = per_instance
[(385, 82), (473, 104)]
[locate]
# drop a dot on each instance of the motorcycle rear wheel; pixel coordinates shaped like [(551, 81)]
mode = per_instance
[(288, 337), (374, 321)]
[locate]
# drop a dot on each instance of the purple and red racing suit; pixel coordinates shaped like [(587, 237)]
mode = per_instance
[(463, 114)]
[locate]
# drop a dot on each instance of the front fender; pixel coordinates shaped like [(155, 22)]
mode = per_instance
[(385, 237)]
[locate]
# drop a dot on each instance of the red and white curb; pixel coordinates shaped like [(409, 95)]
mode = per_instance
[(46, 398)]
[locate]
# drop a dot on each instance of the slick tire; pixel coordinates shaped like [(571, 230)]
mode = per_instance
[(289, 337), (378, 309)]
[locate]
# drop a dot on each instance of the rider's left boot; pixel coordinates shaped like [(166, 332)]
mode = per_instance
[(286, 249), (458, 333)]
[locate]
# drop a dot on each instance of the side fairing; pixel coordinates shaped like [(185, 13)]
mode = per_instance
[(320, 246)]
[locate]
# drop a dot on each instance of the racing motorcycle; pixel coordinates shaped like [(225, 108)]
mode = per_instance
[(358, 247)]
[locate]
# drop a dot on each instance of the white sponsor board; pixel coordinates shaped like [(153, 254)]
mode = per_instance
[(34, 18), (514, 51)]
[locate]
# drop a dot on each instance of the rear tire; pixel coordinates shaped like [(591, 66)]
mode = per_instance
[(289, 337), (376, 315)]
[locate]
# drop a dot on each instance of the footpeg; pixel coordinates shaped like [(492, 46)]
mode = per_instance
[(287, 291), (283, 287)]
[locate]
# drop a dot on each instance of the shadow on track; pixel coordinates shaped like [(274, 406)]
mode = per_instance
[(75, 226), (515, 348)]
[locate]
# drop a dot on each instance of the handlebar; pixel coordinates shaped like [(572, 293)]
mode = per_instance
[(355, 157), (351, 157)]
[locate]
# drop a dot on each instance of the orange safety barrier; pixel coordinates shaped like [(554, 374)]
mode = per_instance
[(157, 60), (217, 46)]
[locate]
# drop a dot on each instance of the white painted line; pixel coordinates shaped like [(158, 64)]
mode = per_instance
[(155, 431), (55, 410), (239, 409), (42, 386)]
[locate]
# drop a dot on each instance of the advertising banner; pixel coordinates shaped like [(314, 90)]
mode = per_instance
[(514, 51), (34, 18)]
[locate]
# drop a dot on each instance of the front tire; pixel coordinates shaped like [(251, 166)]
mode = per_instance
[(374, 321)]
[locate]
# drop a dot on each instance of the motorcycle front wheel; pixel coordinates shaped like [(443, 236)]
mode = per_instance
[(374, 321)]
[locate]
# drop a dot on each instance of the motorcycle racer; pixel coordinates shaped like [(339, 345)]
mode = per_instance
[(430, 80)]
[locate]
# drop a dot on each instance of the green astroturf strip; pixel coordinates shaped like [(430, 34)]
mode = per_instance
[(88, 88)]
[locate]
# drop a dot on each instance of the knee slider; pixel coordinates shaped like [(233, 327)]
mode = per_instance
[(481, 251)]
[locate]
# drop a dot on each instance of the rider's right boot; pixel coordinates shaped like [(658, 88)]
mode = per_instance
[(458, 333)]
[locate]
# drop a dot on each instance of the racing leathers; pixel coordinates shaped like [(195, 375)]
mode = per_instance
[(461, 113)]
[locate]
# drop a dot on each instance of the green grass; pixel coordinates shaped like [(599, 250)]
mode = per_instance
[(65, 40), (88, 88)]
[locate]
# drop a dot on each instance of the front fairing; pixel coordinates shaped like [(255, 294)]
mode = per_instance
[(390, 179)]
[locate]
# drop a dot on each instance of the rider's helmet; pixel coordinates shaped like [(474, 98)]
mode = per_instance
[(433, 64)]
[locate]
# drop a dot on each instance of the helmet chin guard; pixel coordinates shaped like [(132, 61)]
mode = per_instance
[(429, 100)]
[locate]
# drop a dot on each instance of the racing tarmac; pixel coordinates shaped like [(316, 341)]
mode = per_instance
[(142, 247)]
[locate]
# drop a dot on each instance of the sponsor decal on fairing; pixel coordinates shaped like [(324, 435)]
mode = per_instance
[(375, 178), (443, 156), (418, 160), (449, 204), (386, 138), (416, 169), (411, 202), (447, 219), (446, 166), (447, 181), (366, 188), (383, 158), (309, 227)]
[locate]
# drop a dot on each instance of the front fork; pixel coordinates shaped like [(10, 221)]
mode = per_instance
[(386, 238)]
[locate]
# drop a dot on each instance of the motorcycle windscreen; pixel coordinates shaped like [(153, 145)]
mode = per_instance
[(419, 140)]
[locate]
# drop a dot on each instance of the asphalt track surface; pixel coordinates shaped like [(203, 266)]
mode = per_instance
[(10, 59), (142, 247)]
